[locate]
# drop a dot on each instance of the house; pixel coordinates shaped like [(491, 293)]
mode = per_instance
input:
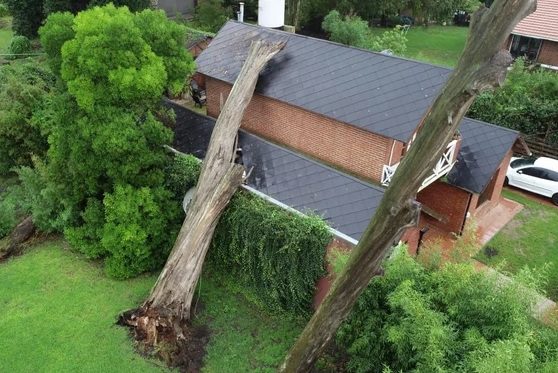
[(536, 36), (351, 114)]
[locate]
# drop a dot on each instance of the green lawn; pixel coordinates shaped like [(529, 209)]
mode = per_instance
[(531, 239), (57, 314), (440, 45)]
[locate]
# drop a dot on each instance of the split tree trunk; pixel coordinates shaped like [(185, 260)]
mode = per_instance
[(481, 66), (219, 179)]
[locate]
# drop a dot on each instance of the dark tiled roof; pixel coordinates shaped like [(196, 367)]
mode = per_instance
[(483, 148), (346, 203), (382, 94)]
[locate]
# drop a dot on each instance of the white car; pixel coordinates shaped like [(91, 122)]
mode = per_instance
[(537, 175)]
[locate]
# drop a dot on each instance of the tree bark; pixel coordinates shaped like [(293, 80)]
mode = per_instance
[(293, 13), (14, 243), (219, 179), (481, 66)]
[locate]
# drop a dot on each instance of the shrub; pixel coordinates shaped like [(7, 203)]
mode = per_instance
[(20, 45), (23, 89), (27, 16), (4, 11), (278, 254), (210, 15), (527, 102), (349, 30), (56, 31), (138, 233), (182, 174), (450, 318), (8, 215)]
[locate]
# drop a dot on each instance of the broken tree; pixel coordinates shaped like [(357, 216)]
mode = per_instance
[(481, 66), (169, 303)]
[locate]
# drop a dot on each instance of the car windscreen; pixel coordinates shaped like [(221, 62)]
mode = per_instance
[(522, 162)]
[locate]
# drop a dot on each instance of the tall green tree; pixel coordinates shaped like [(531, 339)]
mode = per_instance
[(103, 173)]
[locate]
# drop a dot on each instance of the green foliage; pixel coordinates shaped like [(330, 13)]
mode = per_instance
[(393, 40), (19, 45), (138, 232), (166, 40), (133, 5), (103, 181), (528, 102), (27, 16), (352, 30), (23, 88), (453, 318), (4, 11), (346, 30), (182, 174), (211, 15), (109, 63), (8, 214), (279, 254), (56, 31)]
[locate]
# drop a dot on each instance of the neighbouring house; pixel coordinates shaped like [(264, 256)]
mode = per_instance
[(536, 36)]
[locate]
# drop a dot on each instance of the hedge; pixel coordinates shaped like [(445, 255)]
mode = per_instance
[(277, 254)]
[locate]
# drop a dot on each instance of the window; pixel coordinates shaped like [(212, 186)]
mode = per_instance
[(551, 175), (533, 171), (520, 162), (523, 46)]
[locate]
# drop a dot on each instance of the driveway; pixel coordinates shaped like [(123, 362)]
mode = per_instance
[(533, 196)]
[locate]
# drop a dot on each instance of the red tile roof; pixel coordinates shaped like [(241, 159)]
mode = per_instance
[(542, 24)]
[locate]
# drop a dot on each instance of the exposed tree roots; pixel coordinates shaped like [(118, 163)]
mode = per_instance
[(179, 344)]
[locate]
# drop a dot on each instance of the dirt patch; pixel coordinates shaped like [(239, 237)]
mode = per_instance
[(512, 229), (179, 344)]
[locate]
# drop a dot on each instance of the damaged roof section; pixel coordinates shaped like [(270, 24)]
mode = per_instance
[(344, 202)]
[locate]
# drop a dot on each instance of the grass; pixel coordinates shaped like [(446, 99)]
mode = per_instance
[(531, 238), (439, 45), (57, 314)]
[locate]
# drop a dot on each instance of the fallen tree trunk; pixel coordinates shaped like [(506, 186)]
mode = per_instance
[(14, 243), (168, 307), (481, 66)]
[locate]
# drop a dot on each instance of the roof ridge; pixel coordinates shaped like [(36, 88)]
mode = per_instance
[(335, 43)]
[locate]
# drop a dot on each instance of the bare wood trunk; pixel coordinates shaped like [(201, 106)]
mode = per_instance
[(481, 66), (219, 179), (14, 243)]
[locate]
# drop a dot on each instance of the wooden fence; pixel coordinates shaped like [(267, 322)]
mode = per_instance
[(538, 147)]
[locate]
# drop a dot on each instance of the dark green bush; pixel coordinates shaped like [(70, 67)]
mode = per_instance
[(4, 11), (20, 45), (8, 214), (23, 89), (133, 5), (183, 174), (452, 319), (527, 102), (211, 15), (278, 254), (27, 16)]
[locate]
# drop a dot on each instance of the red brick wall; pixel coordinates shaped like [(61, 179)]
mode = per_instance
[(548, 53), (350, 148), (448, 201)]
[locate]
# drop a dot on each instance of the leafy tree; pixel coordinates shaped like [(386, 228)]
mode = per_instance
[(56, 31), (450, 318), (528, 102), (103, 178), (133, 5), (27, 16), (23, 89)]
